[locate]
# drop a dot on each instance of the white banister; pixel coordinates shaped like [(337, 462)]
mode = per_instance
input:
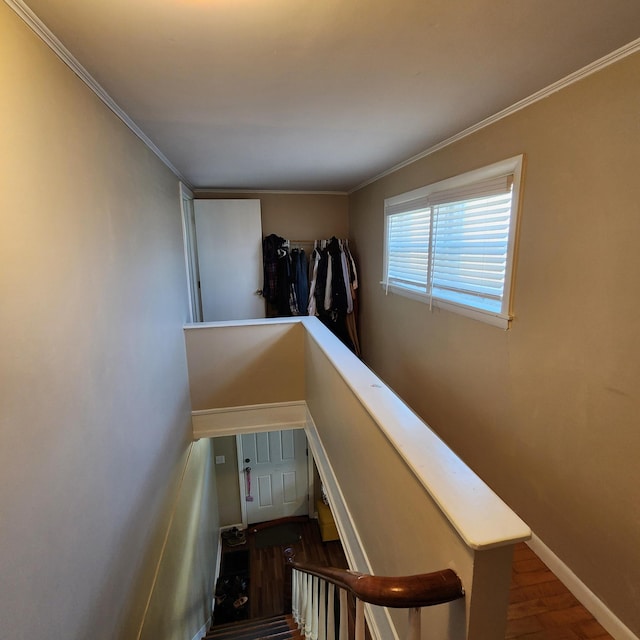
[(315, 608), (295, 596), (312, 607), (301, 601), (344, 616), (308, 610), (311, 596), (414, 624)]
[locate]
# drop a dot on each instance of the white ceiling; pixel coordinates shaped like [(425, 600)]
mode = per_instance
[(323, 95)]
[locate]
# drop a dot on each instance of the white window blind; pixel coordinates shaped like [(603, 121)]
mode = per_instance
[(408, 255), (471, 237), (453, 241)]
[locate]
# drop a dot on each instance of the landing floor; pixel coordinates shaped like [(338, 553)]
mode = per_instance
[(542, 608)]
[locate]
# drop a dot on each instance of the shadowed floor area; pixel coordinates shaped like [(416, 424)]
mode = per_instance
[(261, 560), (283, 534)]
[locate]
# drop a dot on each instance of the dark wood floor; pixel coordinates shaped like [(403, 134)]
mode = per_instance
[(266, 566), (268, 561), (541, 607)]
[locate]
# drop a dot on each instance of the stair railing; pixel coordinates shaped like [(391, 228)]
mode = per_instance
[(313, 596)]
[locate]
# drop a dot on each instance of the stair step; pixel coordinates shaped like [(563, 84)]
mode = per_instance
[(243, 627), (251, 634), (254, 622), (277, 628)]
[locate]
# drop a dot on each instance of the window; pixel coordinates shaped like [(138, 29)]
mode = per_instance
[(451, 244)]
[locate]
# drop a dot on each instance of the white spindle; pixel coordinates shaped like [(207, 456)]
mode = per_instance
[(322, 611), (344, 616), (308, 614), (302, 608), (414, 624), (359, 619), (295, 595), (314, 608), (331, 619)]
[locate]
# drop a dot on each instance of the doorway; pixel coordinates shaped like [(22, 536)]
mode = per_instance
[(274, 475)]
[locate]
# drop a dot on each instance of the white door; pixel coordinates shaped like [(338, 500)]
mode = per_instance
[(274, 474), (229, 238)]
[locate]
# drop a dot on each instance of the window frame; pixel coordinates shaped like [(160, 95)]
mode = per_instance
[(511, 166)]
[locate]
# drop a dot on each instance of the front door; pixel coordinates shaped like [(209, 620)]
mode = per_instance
[(274, 474)]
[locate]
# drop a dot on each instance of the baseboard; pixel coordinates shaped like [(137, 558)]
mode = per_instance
[(587, 598), (203, 630)]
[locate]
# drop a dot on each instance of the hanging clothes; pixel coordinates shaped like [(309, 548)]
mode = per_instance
[(271, 245), (332, 293), (323, 286), (300, 280), (346, 278), (276, 267), (321, 281), (313, 279), (338, 293), (353, 286)]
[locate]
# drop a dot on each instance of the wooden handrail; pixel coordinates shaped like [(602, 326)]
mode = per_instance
[(401, 592)]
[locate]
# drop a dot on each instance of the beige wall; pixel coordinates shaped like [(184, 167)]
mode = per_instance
[(547, 412), (298, 216), (227, 479), (239, 366), (182, 593), (95, 419), (238, 369)]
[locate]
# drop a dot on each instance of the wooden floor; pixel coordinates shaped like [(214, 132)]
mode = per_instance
[(541, 607), (266, 567)]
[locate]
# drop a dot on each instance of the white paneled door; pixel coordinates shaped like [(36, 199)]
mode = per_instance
[(229, 239), (275, 475)]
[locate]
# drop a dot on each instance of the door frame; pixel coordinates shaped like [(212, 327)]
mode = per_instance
[(190, 252), (241, 476)]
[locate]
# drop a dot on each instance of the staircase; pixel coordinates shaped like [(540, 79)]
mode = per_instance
[(276, 628)]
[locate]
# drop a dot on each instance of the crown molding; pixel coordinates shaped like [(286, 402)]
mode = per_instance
[(611, 58), (47, 36), (201, 191)]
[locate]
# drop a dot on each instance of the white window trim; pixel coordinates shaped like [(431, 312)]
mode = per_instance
[(509, 166)]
